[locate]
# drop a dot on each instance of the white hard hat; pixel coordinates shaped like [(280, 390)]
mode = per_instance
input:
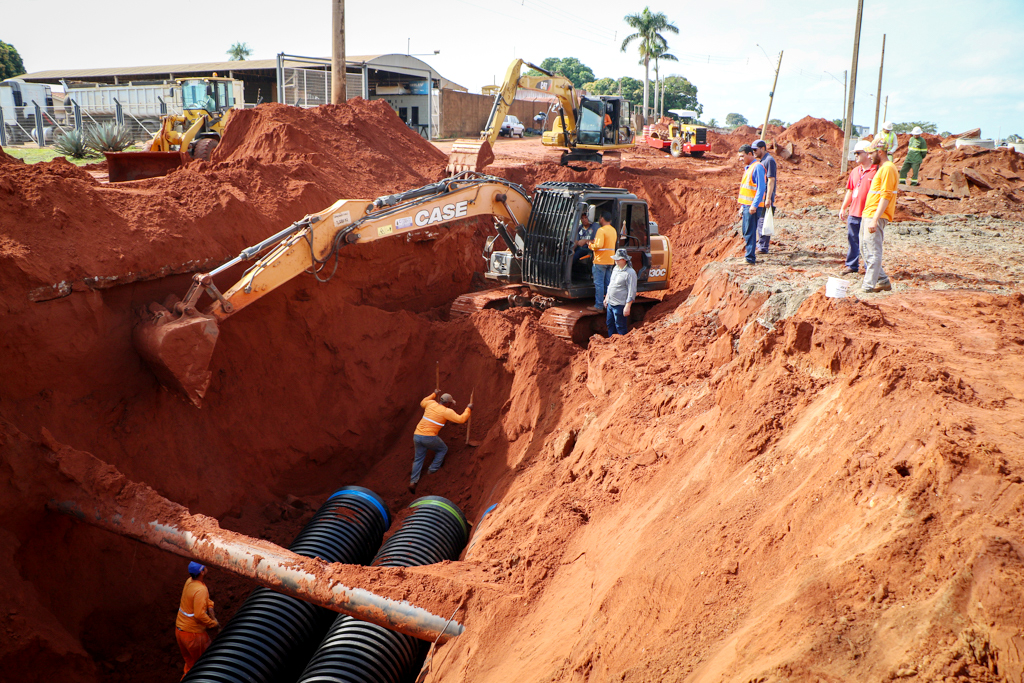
[(887, 125), (917, 131), (861, 146)]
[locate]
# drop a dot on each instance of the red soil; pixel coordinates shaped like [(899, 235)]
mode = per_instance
[(835, 495)]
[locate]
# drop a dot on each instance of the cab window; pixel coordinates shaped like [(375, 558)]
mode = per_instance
[(591, 122)]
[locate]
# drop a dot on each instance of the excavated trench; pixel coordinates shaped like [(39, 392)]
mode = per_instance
[(830, 492)]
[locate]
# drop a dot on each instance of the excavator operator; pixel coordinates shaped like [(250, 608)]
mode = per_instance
[(425, 438)]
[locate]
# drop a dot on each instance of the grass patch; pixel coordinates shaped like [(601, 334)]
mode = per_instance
[(34, 155)]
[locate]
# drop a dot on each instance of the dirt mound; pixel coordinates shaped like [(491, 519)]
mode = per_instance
[(809, 128), (746, 131), (728, 143), (6, 158)]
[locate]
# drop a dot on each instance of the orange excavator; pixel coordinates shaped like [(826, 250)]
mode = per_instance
[(539, 266)]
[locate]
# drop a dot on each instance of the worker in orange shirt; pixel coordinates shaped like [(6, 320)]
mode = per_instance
[(195, 617), (605, 241), (425, 438)]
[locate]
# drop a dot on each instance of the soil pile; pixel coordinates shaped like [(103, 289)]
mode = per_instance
[(6, 158), (809, 128)]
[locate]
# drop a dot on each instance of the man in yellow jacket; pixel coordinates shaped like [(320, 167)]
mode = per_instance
[(435, 414), (195, 617)]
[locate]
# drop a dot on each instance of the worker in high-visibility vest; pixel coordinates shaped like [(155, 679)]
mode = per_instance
[(195, 617), (753, 188), (917, 148), (436, 413), (888, 140)]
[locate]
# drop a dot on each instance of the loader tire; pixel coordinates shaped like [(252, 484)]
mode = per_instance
[(676, 149), (203, 148)]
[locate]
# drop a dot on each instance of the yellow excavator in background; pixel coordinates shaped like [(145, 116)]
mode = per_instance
[(206, 108), (539, 266), (585, 126)]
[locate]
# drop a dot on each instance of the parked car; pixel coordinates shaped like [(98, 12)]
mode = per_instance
[(512, 128)]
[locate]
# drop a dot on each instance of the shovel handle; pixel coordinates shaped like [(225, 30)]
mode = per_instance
[(469, 420)]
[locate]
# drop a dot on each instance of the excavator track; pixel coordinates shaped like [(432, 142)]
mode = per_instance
[(577, 322), (496, 299)]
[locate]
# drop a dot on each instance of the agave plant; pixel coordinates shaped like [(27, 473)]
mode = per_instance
[(72, 144), (108, 137)]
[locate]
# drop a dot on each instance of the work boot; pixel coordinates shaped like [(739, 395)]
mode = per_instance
[(883, 285), (412, 486)]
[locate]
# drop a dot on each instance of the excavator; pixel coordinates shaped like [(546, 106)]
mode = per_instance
[(585, 126), (539, 265), (206, 108)]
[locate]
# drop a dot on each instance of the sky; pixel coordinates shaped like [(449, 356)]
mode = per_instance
[(959, 65)]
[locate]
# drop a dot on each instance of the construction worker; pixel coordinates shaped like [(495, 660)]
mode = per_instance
[(584, 236), (425, 438), (603, 246), (621, 293), (195, 617), (771, 172), (752, 190), (857, 188), (879, 209), (917, 148), (888, 139)]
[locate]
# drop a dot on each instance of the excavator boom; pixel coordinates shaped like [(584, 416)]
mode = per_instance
[(177, 340)]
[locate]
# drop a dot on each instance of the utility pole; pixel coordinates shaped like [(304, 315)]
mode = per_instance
[(338, 92), (771, 96), (845, 95), (878, 96), (853, 89), (885, 115)]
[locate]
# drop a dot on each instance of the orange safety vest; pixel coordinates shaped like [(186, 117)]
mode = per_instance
[(748, 190)]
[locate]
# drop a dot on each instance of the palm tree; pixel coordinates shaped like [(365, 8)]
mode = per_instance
[(239, 52), (647, 25), (660, 52)]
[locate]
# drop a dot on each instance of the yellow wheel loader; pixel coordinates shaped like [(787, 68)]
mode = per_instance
[(206, 107), (539, 266), (584, 126)]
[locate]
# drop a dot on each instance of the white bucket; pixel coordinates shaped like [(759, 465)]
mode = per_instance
[(836, 288)]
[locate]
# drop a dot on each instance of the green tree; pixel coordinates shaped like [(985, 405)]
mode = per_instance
[(734, 120), (10, 62), (712, 123), (647, 28), (908, 126), (602, 86), (778, 122), (630, 89), (681, 94), (570, 67), (660, 52), (239, 52)]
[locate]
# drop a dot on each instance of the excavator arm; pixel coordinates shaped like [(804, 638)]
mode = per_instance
[(474, 155), (177, 342)]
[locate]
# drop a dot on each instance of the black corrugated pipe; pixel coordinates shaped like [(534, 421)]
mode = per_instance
[(356, 652), (272, 636)]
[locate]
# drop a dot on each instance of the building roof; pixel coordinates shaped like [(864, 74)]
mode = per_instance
[(386, 62)]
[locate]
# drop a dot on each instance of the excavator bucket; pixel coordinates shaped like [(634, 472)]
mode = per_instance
[(178, 348), (122, 166), (469, 155)]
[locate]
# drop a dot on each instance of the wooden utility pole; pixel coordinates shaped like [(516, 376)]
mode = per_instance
[(878, 95), (338, 91), (885, 112), (853, 89), (771, 96), (845, 95)]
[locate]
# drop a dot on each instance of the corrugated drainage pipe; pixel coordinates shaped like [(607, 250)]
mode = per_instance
[(356, 652), (272, 636)]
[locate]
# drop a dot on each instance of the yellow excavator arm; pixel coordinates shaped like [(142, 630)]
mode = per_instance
[(178, 344)]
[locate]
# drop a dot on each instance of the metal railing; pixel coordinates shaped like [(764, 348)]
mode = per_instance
[(19, 126)]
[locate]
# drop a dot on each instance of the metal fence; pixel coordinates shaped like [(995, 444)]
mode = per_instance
[(21, 125)]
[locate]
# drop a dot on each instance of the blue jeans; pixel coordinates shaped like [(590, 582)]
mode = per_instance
[(615, 318), (602, 276), (424, 444), (749, 232), (762, 240), (853, 236)]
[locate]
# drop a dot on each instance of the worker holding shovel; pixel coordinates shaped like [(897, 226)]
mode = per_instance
[(436, 413)]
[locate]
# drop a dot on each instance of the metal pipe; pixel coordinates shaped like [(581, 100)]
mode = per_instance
[(105, 498)]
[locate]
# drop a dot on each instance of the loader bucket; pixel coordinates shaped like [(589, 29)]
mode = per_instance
[(469, 155), (178, 349), (122, 166)]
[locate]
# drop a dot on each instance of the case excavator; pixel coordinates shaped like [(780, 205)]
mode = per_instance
[(532, 259), (585, 126)]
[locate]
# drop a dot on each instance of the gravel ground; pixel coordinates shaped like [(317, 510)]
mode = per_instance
[(957, 251)]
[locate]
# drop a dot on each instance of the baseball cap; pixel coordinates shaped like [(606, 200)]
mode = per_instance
[(758, 143), (194, 568)]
